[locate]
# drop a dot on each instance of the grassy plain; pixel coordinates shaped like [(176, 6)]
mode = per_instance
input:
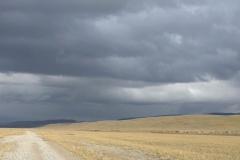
[(114, 145), (193, 137), (195, 124), (190, 137)]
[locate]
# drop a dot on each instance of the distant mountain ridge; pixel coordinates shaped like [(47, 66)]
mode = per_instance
[(31, 124), (219, 113)]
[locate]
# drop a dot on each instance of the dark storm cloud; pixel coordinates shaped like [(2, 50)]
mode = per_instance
[(119, 54), (150, 41), (56, 33)]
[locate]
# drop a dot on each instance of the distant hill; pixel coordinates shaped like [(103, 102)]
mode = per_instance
[(219, 113), (31, 124)]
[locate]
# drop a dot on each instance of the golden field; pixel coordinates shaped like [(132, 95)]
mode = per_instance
[(195, 124), (143, 145), (190, 137)]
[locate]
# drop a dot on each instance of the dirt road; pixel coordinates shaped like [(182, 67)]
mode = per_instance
[(30, 146)]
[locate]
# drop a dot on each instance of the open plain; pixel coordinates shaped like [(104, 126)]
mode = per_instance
[(199, 137)]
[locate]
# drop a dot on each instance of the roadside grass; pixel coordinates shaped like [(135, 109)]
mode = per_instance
[(4, 147), (10, 131)]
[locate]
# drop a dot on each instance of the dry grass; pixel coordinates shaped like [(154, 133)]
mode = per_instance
[(187, 147), (4, 147), (195, 124), (141, 139), (195, 137), (10, 131)]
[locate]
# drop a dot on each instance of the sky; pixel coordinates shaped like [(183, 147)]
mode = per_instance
[(110, 59)]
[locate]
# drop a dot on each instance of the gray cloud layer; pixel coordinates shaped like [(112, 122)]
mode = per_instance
[(89, 59)]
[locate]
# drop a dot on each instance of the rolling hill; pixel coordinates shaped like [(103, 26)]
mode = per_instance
[(195, 124)]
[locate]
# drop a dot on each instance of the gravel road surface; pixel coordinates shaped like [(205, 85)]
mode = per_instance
[(30, 146)]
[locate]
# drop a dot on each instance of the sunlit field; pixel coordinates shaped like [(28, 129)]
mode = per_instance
[(186, 124), (115, 145), (192, 137), (171, 137)]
